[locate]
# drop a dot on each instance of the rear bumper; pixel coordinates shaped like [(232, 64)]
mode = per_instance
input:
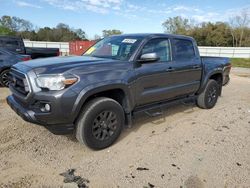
[(226, 80), (226, 73), (30, 116)]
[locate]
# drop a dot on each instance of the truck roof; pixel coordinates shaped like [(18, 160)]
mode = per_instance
[(11, 37), (148, 35)]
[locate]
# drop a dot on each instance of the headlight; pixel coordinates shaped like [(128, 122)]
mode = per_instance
[(55, 82)]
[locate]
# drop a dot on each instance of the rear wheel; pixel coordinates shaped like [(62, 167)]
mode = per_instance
[(4, 81), (208, 98), (100, 123)]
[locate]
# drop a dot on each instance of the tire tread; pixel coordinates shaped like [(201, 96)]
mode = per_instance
[(84, 114), (201, 100)]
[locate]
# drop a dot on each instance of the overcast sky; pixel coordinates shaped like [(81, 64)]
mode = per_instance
[(130, 16)]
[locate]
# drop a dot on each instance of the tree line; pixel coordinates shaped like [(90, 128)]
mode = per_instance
[(19, 27), (235, 33), (15, 26)]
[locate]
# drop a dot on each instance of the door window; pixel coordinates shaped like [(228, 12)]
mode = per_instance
[(11, 44), (183, 49), (159, 46)]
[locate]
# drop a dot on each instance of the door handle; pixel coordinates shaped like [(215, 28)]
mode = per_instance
[(196, 66), (170, 69)]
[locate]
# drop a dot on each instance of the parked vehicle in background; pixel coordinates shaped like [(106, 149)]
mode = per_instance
[(98, 93), (16, 44), (7, 59), (79, 47)]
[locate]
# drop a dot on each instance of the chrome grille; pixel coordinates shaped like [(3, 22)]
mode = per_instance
[(18, 82)]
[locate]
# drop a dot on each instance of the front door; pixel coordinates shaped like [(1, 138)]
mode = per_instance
[(152, 78)]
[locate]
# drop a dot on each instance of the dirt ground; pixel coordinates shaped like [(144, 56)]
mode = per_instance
[(186, 147)]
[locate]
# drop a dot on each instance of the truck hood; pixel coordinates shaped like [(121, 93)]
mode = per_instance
[(58, 65)]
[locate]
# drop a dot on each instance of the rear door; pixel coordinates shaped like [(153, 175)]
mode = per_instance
[(186, 65)]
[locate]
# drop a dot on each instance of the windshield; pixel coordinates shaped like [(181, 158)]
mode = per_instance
[(115, 47)]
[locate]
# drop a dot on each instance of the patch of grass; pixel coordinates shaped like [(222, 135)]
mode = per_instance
[(240, 62)]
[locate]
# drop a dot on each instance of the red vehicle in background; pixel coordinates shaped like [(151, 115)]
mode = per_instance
[(79, 47)]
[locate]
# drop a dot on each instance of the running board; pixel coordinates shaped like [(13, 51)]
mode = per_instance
[(154, 114), (153, 107)]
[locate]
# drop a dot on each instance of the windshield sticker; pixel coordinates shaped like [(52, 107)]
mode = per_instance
[(130, 41), (89, 51)]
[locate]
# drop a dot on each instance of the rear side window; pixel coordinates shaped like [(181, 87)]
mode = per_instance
[(11, 44), (183, 49)]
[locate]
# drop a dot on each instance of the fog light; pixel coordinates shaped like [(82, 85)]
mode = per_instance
[(45, 108)]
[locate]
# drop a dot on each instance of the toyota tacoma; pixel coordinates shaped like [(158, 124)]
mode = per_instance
[(97, 94)]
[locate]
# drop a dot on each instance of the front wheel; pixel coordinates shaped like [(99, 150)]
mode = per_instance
[(4, 81), (100, 123), (208, 98)]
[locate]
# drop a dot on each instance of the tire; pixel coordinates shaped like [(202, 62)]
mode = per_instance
[(100, 123), (208, 98), (4, 78)]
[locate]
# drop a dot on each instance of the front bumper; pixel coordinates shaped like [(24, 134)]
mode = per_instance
[(26, 115), (31, 116)]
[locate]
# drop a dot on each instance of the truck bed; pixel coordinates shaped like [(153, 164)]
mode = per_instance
[(210, 59), (42, 52), (225, 63)]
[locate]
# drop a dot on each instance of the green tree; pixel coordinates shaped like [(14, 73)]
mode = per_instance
[(106, 33), (63, 33), (31, 35), (23, 28), (6, 31), (239, 27), (237, 33), (246, 39), (210, 34), (176, 25), (16, 24), (45, 34), (81, 34), (7, 22), (21, 24)]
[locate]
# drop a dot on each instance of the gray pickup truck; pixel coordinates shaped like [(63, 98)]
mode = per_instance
[(97, 94)]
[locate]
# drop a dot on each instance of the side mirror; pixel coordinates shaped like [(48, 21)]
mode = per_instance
[(149, 58)]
